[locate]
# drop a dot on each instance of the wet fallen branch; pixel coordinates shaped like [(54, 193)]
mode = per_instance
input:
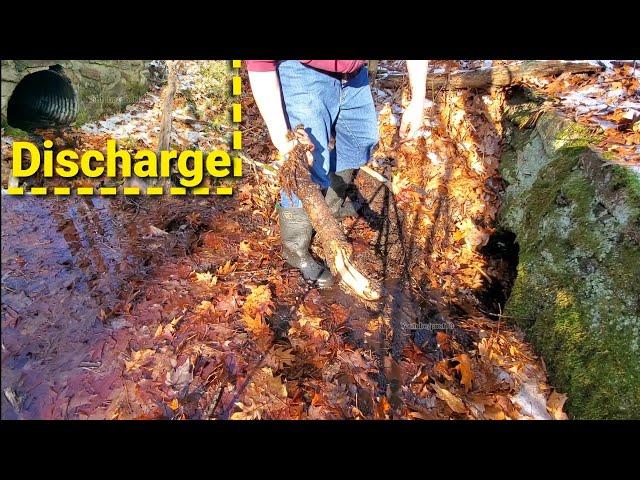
[(389, 183), (296, 178)]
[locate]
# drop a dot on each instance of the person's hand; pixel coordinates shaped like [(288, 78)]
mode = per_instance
[(412, 119), (285, 145)]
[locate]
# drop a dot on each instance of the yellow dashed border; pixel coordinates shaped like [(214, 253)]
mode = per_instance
[(224, 191), (154, 190), (200, 191), (114, 191), (131, 190), (237, 140), (237, 85), (237, 113), (236, 117)]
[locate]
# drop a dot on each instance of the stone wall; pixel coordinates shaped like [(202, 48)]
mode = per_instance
[(576, 217), (103, 86)]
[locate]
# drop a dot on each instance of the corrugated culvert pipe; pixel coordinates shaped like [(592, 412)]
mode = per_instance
[(43, 99)]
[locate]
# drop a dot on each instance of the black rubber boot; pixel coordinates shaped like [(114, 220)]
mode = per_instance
[(336, 197), (295, 232)]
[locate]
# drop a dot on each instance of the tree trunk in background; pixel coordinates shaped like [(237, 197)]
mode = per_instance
[(164, 137), (373, 70)]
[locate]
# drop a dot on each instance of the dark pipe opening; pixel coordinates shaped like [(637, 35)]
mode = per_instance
[(43, 99)]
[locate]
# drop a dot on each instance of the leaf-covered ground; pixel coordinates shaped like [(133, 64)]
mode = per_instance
[(182, 307), (608, 102)]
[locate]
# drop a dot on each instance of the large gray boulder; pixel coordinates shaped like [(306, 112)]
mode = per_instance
[(576, 215)]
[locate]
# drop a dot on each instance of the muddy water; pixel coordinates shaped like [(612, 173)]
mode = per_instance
[(63, 268)]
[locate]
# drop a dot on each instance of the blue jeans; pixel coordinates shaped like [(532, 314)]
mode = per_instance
[(329, 107)]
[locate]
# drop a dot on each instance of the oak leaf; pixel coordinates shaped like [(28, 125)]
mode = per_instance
[(138, 359), (493, 412), (245, 246), (279, 357), (258, 302), (179, 377), (248, 411), (227, 268), (255, 325), (207, 277), (264, 380), (227, 304), (464, 368)]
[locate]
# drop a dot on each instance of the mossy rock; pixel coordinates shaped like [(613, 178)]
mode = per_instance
[(577, 293)]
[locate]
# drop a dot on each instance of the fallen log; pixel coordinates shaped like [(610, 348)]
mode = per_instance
[(500, 75), (295, 177)]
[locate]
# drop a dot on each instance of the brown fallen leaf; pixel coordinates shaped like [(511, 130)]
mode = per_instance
[(280, 357), (454, 402), (555, 403), (257, 306), (244, 246), (180, 376), (383, 408), (207, 277), (421, 415), (249, 411), (171, 326), (464, 367), (255, 325), (158, 331), (509, 409), (444, 342), (156, 232), (227, 268), (493, 412), (258, 302), (265, 381), (139, 359)]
